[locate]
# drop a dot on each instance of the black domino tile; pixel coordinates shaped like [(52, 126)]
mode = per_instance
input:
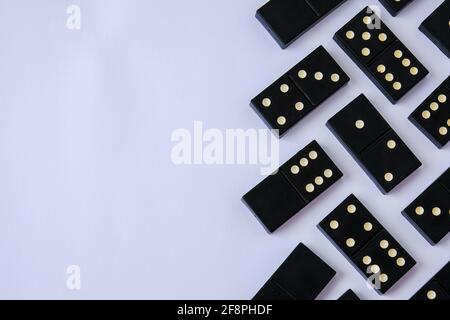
[(443, 278), (359, 227), (432, 291), (349, 295), (323, 7), (355, 36), (437, 27), (282, 105), (273, 291), (274, 201), (395, 6), (389, 166), (301, 90), (302, 276), (343, 125), (432, 117), (380, 55), (389, 261), (297, 183), (318, 76), (373, 144), (430, 212), (287, 20), (437, 289), (444, 180), (356, 233), (311, 172), (396, 71)]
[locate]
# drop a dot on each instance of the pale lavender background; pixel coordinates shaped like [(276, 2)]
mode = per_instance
[(85, 170)]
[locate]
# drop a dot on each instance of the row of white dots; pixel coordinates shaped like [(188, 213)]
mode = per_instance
[(436, 211)]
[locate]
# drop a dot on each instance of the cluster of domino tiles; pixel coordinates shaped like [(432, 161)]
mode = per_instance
[(351, 227)]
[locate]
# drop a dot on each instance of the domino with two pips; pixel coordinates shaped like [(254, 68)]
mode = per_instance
[(372, 142)]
